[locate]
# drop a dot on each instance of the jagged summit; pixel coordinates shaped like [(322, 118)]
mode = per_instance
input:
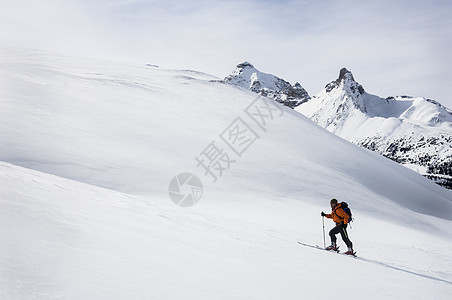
[(245, 64), (345, 81), (345, 74), (247, 76)]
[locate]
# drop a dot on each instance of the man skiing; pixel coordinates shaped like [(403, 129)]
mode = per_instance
[(340, 217)]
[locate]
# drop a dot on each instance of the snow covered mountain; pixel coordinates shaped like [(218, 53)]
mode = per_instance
[(415, 132), (247, 76), (88, 150)]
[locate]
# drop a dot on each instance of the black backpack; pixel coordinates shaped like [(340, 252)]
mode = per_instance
[(347, 210)]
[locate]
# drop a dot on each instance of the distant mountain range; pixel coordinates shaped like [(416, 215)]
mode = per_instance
[(415, 132)]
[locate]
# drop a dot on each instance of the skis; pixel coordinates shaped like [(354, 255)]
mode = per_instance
[(321, 248)]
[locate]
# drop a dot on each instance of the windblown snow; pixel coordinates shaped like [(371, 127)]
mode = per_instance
[(88, 149)]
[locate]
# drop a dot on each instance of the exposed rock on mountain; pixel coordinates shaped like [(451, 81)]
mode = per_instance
[(247, 76)]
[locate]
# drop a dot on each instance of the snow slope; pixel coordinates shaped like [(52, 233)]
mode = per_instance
[(76, 241), (89, 148)]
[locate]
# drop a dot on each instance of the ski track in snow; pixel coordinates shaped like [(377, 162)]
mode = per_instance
[(417, 273), (420, 273)]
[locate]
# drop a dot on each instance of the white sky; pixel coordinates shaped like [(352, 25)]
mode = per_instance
[(393, 47)]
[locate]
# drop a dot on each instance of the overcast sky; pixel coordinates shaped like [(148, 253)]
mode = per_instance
[(392, 47)]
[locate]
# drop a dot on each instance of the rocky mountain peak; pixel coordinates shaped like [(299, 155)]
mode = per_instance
[(245, 64), (345, 74), (268, 85), (347, 82)]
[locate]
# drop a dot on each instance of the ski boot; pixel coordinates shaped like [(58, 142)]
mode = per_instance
[(350, 251), (333, 247)]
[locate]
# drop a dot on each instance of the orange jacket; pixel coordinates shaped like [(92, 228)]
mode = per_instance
[(338, 215)]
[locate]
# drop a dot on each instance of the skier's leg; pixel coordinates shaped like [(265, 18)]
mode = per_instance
[(333, 233), (344, 236)]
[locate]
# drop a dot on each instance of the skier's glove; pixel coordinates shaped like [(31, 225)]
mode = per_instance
[(322, 214)]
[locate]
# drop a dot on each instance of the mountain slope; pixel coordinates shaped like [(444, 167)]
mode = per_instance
[(247, 76), (415, 132), (131, 129)]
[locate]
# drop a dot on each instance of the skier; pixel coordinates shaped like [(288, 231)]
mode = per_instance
[(340, 217)]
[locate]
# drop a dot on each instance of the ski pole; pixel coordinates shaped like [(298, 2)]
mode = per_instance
[(323, 223)]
